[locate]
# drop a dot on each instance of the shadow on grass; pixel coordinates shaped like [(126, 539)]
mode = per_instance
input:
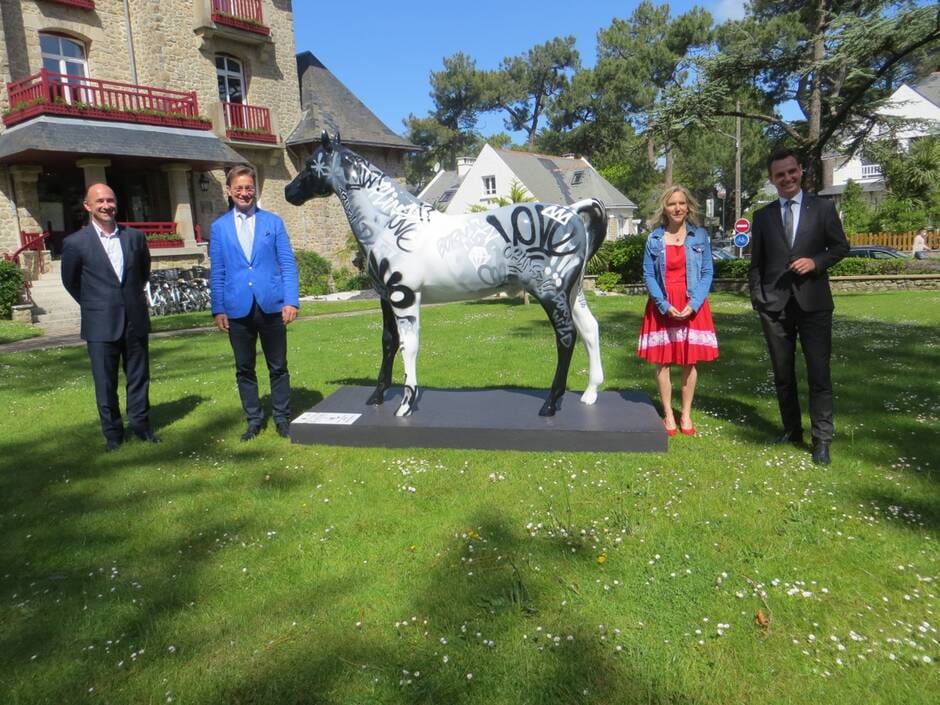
[(76, 521), (484, 591), (912, 514)]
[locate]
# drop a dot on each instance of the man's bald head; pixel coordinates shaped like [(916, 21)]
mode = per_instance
[(101, 204)]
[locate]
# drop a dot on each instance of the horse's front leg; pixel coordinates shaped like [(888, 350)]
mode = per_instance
[(408, 321), (587, 328), (390, 344), (556, 305)]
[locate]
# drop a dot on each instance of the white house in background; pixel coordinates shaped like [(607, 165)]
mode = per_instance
[(919, 104), (546, 178)]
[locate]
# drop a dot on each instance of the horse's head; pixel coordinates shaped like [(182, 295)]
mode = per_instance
[(318, 177)]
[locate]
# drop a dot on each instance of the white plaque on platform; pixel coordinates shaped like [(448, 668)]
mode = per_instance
[(332, 419)]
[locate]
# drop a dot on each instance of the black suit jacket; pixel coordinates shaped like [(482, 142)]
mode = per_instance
[(819, 236), (106, 301)]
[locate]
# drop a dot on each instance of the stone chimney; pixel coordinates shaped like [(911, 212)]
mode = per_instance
[(463, 165)]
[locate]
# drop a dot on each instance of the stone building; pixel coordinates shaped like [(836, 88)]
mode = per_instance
[(158, 99)]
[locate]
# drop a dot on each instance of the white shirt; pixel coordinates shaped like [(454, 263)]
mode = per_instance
[(797, 201), (245, 230), (920, 244), (112, 248)]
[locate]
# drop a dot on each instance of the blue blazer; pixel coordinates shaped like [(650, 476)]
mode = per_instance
[(269, 277)]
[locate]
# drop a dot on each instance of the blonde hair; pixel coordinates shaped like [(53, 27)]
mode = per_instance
[(659, 217)]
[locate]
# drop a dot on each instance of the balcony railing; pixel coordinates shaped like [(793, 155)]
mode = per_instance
[(83, 4), (243, 14), (248, 122), (49, 93), (158, 234), (871, 171)]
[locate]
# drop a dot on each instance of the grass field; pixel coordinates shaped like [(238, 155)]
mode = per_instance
[(728, 570)]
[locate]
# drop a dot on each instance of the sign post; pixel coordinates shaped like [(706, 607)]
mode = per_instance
[(742, 229)]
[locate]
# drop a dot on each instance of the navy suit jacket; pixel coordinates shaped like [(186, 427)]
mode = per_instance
[(107, 302), (268, 277), (819, 236)]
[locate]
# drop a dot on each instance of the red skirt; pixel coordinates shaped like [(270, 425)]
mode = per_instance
[(668, 341)]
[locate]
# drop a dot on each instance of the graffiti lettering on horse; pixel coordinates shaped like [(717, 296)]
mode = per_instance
[(525, 231)]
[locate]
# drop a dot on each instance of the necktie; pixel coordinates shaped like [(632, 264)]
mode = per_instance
[(244, 234), (788, 221)]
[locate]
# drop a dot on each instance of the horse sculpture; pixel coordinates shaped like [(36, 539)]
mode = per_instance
[(417, 254)]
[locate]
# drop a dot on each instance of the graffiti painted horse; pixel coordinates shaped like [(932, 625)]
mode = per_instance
[(417, 254)]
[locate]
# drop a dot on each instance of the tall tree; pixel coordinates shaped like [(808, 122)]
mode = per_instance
[(838, 59), (639, 59), (525, 86)]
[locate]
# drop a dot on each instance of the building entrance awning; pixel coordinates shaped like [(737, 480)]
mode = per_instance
[(53, 139)]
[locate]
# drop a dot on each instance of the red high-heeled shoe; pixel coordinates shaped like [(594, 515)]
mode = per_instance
[(670, 431), (688, 431)]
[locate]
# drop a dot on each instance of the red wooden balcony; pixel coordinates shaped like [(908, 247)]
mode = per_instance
[(83, 4), (248, 123), (49, 93), (243, 14)]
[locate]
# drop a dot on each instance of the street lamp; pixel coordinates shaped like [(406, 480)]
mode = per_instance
[(737, 160)]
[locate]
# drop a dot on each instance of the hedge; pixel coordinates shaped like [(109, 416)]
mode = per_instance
[(11, 287), (313, 272)]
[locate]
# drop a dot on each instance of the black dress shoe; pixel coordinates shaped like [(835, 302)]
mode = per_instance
[(283, 429), (821, 453), (251, 432), (146, 434), (112, 444), (795, 437)]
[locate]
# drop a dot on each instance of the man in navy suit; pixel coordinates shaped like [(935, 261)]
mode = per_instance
[(255, 294), (105, 268), (795, 239)]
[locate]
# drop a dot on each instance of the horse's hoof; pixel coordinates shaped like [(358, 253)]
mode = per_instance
[(547, 409), (589, 396), (403, 410), (377, 398)]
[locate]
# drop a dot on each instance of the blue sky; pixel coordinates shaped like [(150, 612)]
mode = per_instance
[(385, 51)]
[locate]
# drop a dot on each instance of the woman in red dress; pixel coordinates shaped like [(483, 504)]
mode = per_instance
[(677, 325)]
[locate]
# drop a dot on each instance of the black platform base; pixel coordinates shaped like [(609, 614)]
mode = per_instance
[(487, 419)]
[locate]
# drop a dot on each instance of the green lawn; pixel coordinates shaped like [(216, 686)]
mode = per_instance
[(203, 319), (12, 331), (204, 570)]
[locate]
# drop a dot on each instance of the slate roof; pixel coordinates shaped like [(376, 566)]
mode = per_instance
[(48, 135), (550, 178), (329, 105), (930, 88), (442, 181)]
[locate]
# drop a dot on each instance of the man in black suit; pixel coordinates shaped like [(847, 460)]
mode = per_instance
[(795, 239), (105, 268)]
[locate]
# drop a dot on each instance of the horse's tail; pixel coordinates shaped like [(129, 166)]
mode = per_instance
[(596, 224)]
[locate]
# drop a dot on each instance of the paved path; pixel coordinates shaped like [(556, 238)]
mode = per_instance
[(73, 339)]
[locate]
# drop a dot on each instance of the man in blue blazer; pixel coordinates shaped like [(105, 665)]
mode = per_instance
[(105, 268), (795, 239), (255, 294)]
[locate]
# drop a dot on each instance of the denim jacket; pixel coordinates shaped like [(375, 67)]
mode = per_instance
[(698, 267)]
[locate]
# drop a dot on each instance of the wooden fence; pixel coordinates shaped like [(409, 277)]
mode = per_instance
[(899, 241)]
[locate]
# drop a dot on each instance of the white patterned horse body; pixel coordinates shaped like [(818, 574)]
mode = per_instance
[(416, 254)]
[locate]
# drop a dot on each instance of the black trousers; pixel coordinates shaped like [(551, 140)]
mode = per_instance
[(131, 351), (814, 329), (243, 334)]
